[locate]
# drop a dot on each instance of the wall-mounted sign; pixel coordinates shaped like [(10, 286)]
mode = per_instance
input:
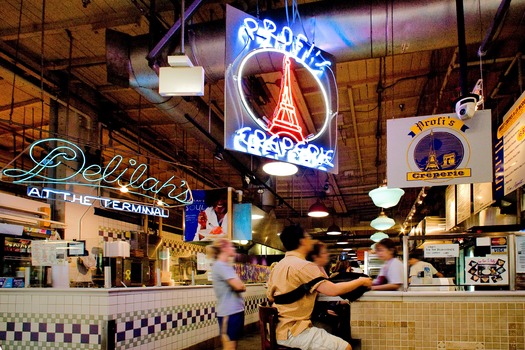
[(61, 162), (209, 216), (512, 132), (489, 270), (441, 251), (263, 55), (439, 150), (108, 203), (520, 254)]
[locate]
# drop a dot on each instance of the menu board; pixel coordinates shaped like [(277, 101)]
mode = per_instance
[(520, 254), (482, 196), (48, 253), (489, 270), (463, 202)]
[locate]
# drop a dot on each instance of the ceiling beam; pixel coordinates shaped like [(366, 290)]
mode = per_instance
[(100, 22), (19, 104), (76, 63)]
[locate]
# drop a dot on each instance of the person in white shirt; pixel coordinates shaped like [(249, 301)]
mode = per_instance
[(391, 273), (417, 266)]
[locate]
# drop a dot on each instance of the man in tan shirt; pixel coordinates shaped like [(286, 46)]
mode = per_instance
[(295, 328)]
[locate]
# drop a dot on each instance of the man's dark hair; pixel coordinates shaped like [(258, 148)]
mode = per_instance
[(291, 236), (416, 254)]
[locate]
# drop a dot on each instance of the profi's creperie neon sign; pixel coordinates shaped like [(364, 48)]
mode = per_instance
[(68, 164), (279, 136)]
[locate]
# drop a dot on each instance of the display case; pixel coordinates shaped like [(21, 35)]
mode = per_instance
[(15, 262), (372, 264)]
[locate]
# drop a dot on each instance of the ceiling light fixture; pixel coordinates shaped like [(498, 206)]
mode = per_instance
[(384, 197), (376, 237), (333, 230), (342, 242), (218, 154), (280, 168), (318, 210), (124, 189), (382, 222)]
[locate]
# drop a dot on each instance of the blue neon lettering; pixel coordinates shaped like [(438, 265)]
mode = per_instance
[(258, 143), (47, 193), (267, 36)]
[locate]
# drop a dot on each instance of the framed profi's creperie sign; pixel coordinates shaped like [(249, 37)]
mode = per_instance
[(439, 150), (264, 113)]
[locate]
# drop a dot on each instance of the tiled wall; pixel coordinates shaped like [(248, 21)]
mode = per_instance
[(149, 318), (438, 323)]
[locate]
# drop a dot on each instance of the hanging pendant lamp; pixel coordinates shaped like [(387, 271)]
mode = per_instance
[(333, 230), (318, 210), (278, 168), (384, 197), (382, 222), (376, 237)]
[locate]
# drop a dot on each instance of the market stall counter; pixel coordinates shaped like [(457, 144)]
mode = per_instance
[(422, 320), (117, 318)]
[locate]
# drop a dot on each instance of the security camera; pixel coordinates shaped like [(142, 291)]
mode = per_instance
[(466, 106)]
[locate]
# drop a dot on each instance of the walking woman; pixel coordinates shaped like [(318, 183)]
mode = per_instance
[(228, 288)]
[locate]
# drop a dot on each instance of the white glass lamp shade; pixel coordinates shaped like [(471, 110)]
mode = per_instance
[(382, 222), (318, 210), (384, 197), (333, 230), (376, 237), (279, 168)]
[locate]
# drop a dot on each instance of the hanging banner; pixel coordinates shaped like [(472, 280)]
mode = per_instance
[(209, 216), (264, 113), (511, 134), (439, 150)]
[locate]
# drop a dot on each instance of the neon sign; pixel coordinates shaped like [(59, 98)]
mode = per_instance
[(281, 136), (69, 157), (108, 203)]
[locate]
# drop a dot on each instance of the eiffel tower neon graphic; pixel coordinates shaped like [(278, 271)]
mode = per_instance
[(284, 121)]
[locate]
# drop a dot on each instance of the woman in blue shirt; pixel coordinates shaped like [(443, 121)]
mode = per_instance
[(228, 288)]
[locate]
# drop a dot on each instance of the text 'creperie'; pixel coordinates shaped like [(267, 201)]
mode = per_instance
[(438, 174)]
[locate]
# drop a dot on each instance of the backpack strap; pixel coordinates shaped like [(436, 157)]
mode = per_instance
[(297, 293)]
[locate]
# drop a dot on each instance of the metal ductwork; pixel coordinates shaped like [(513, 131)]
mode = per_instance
[(349, 30)]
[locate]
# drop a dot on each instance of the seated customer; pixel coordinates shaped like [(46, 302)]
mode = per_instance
[(391, 274), (290, 275), (417, 266)]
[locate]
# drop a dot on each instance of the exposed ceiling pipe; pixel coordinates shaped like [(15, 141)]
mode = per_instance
[(494, 28), (462, 48)]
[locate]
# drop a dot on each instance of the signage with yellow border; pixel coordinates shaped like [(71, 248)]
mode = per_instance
[(439, 150)]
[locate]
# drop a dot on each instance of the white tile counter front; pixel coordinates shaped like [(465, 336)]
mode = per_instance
[(118, 318)]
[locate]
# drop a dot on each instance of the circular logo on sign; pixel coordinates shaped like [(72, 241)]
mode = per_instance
[(438, 151)]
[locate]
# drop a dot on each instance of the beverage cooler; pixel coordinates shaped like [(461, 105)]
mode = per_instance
[(15, 264)]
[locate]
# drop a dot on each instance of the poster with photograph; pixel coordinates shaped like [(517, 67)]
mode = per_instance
[(489, 270), (209, 217)]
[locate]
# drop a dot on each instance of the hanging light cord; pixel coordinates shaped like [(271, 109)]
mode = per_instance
[(16, 61), (42, 56)]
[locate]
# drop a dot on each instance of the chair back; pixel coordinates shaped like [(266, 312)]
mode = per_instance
[(268, 318)]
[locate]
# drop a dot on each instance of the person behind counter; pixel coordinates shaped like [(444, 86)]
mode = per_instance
[(227, 287), (391, 274), (291, 274), (417, 266)]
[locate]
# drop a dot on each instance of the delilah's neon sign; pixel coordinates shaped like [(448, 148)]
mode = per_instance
[(66, 164), (282, 136)]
